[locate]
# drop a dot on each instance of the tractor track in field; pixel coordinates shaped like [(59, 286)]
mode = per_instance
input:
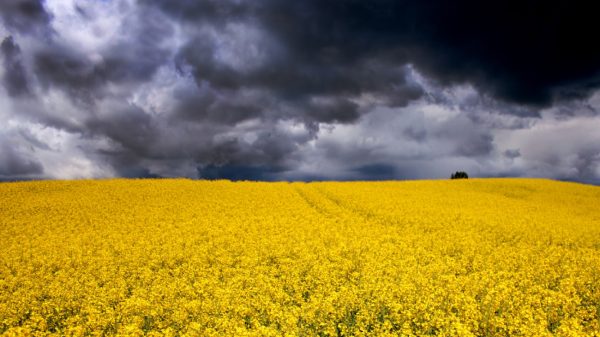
[(367, 215), (313, 205), (331, 206)]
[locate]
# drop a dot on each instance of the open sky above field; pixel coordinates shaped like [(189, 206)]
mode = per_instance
[(298, 90)]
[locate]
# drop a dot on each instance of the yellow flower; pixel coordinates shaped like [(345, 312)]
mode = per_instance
[(489, 257)]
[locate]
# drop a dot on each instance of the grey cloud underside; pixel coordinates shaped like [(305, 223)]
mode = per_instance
[(520, 51), (15, 164), (132, 60), (12, 164), (15, 78), (248, 89), (28, 16)]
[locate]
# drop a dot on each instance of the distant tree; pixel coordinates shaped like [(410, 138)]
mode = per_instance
[(459, 175)]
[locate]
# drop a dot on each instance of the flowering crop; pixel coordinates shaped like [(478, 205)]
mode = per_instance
[(491, 257)]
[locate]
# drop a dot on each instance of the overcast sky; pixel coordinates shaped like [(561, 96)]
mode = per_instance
[(298, 90)]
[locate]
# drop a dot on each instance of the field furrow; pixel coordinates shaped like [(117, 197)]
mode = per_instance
[(490, 257)]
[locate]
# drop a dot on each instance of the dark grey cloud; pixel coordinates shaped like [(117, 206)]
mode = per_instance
[(377, 171), (519, 52), (316, 91), (313, 89), (238, 172), (26, 16), (208, 106), (15, 78), (416, 133), (129, 127), (141, 50), (512, 153), (62, 67), (587, 165), (14, 164), (132, 59), (526, 52), (466, 140), (337, 110)]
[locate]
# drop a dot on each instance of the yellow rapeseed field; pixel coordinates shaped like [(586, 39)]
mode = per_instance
[(478, 257)]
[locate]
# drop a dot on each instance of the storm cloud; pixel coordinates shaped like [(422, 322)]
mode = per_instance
[(27, 16), (15, 163), (15, 80), (280, 90)]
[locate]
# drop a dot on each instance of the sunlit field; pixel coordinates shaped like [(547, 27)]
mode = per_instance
[(489, 257)]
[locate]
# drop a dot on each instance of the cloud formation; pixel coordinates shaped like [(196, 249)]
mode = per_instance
[(297, 90), (26, 16), (15, 80)]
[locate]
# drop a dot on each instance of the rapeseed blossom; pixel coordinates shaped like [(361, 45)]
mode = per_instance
[(491, 257)]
